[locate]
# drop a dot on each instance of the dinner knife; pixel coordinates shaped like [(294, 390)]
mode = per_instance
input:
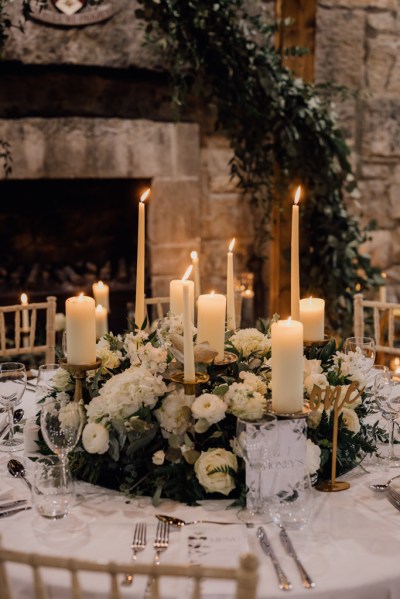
[(12, 512), (308, 583), (284, 583), (11, 504)]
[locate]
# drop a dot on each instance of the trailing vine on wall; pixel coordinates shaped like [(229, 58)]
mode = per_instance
[(281, 130)]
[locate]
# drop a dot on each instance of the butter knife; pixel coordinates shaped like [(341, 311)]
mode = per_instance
[(308, 583), (11, 504), (284, 583), (12, 512)]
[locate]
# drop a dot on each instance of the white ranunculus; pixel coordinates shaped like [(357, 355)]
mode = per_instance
[(174, 413), (313, 457), (109, 359), (95, 438), (350, 420), (243, 402), (208, 462), (209, 406), (158, 458), (250, 341), (60, 322), (253, 382)]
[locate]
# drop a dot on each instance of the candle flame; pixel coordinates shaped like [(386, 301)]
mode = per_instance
[(310, 299), (145, 195), (297, 195), (193, 255), (99, 308), (80, 297), (289, 320), (100, 285), (212, 292), (358, 287), (383, 275), (231, 245), (187, 273), (24, 298)]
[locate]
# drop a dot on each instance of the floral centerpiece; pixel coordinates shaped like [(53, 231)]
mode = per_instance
[(144, 436)]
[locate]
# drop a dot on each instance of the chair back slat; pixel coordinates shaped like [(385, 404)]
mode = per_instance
[(383, 322), (3, 341), (17, 326), (161, 303), (377, 325)]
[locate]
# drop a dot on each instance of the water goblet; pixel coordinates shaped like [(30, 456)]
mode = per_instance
[(53, 490), (387, 397), (365, 347), (45, 383), (256, 438), (61, 422), (12, 387)]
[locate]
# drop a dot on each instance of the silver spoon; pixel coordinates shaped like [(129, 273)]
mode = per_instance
[(383, 486), (17, 470), (181, 523), (18, 415)]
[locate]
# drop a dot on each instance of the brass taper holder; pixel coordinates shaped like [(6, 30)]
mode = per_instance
[(79, 374), (190, 386)]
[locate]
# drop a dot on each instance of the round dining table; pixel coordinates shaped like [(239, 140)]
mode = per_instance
[(350, 547)]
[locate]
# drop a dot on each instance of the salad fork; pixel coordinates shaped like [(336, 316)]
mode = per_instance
[(161, 540), (138, 544)]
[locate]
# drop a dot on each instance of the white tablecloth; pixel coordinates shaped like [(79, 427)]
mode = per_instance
[(351, 547)]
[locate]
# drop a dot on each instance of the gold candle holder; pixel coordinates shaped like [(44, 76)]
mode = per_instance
[(79, 374), (190, 386), (304, 412), (228, 359), (318, 344)]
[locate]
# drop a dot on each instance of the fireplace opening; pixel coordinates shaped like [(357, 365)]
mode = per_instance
[(59, 236)]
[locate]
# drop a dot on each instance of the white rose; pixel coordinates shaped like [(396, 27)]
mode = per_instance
[(313, 457), (208, 462), (158, 458), (350, 420), (174, 414), (60, 322), (95, 438), (209, 406)]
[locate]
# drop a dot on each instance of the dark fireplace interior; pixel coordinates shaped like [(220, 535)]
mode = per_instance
[(58, 237)]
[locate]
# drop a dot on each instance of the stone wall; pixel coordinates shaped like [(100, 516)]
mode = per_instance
[(358, 45)]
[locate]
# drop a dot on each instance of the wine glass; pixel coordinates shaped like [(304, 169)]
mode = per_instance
[(45, 383), (12, 387), (387, 396), (53, 493), (61, 422), (256, 438), (365, 346)]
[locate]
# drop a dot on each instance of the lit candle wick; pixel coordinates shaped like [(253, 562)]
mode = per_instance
[(187, 273), (297, 195), (145, 195)]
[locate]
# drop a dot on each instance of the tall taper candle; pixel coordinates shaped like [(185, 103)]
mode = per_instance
[(25, 314), (81, 330), (230, 290), (295, 277), (188, 350), (101, 294), (140, 273), (101, 321), (196, 274)]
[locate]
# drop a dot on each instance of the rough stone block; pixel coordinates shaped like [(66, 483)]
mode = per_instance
[(172, 259), (216, 160), (187, 150), (382, 21), (375, 170), (379, 248), (381, 128), (381, 56), (227, 215), (375, 202)]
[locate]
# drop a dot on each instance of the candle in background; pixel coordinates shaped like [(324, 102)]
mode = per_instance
[(196, 273), (81, 330), (382, 289), (140, 274), (101, 321), (287, 366), (230, 290), (176, 294), (211, 322), (395, 364), (312, 316), (25, 313), (188, 365), (247, 308), (295, 276), (101, 293)]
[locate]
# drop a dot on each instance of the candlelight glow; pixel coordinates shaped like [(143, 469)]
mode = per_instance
[(231, 245), (80, 297), (289, 322), (395, 364), (297, 195), (99, 308), (145, 195), (187, 273), (212, 292), (24, 298), (383, 275), (100, 285), (310, 299), (193, 255)]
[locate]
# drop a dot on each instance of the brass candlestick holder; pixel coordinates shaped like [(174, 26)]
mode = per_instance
[(79, 374), (190, 386), (228, 359), (319, 344), (303, 413)]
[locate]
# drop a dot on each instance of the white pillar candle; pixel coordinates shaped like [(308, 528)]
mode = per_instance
[(101, 293), (287, 366), (312, 316), (176, 295), (230, 290), (295, 276), (101, 321), (140, 270), (81, 330), (382, 289), (25, 313), (211, 322), (196, 274), (189, 370)]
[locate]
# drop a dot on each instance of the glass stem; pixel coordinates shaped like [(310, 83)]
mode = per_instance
[(257, 493), (391, 438), (10, 416), (63, 461)]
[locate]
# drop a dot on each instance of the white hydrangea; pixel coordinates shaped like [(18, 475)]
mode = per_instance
[(174, 415), (170, 325), (152, 358), (253, 382), (210, 407), (132, 342), (109, 359), (248, 341), (243, 401), (314, 375)]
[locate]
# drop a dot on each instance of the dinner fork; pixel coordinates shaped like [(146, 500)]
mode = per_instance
[(161, 540), (138, 544)]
